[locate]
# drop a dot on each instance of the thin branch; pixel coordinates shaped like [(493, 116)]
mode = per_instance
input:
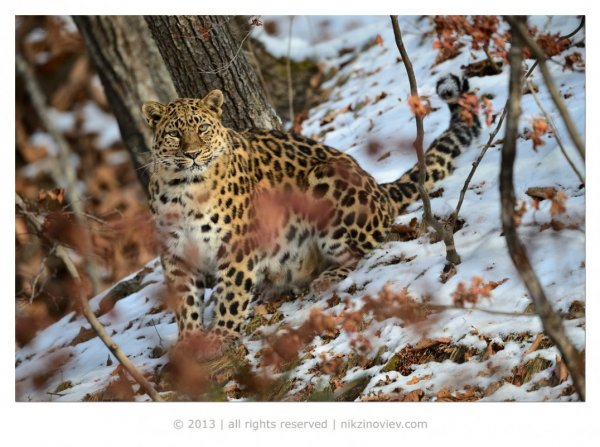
[(63, 254), (520, 28), (39, 274), (492, 62), (65, 173), (551, 320), (445, 307), (228, 64), (550, 121), (454, 216), (445, 235)]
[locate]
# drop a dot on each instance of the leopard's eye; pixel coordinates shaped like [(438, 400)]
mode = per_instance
[(173, 134), (203, 128)]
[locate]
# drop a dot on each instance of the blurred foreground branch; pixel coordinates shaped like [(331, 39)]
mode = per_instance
[(551, 320), (64, 173), (62, 253), (519, 28)]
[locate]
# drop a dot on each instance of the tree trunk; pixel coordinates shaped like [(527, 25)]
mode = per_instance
[(132, 71), (203, 53)]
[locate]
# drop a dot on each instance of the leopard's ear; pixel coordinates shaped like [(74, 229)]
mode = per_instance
[(153, 112), (214, 101)]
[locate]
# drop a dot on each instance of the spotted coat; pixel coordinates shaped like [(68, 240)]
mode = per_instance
[(264, 211)]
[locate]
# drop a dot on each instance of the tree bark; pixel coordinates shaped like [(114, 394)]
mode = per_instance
[(132, 71), (203, 53)]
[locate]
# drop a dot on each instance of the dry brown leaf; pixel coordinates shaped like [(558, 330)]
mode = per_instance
[(416, 379), (558, 203), (413, 396), (419, 105), (541, 192), (540, 128), (384, 156), (535, 344), (491, 389), (561, 373), (428, 342)]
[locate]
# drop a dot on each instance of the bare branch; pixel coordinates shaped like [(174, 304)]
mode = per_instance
[(63, 254), (551, 320), (520, 28), (550, 121), (454, 216), (64, 174), (444, 234)]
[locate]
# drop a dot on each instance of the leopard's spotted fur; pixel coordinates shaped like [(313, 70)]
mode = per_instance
[(264, 210)]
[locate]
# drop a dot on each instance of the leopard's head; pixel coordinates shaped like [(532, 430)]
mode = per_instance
[(188, 133)]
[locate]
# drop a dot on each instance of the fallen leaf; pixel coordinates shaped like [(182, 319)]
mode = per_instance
[(416, 379), (428, 342), (413, 396), (560, 373), (535, 344)]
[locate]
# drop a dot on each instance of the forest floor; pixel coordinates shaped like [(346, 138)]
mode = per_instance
[(491, 349)]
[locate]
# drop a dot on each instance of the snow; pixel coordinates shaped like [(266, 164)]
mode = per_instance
[(43, 139), (557, 256), (36, 35), (96, 121), (64, 122)]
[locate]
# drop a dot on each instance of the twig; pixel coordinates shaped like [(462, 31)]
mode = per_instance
[(551, 320), (160, 340), (91, 217), (445, 235), (228, 64), (444, 307), (55, 394), (521, 29), (63, 254), (39, 275), (493, 64), (454, 216), (64, 174), (554, 131), (288, 66)]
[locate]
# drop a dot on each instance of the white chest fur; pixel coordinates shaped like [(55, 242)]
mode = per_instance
[(185, 228)]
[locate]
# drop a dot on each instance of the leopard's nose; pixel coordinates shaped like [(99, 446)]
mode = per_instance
[(192, 155)]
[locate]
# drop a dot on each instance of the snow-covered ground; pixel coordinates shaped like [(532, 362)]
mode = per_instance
[(494, 342)]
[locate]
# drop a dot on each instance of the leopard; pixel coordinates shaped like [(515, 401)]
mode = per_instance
[(259, 212)]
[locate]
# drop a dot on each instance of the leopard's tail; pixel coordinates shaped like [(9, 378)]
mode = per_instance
[(463, 129)]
